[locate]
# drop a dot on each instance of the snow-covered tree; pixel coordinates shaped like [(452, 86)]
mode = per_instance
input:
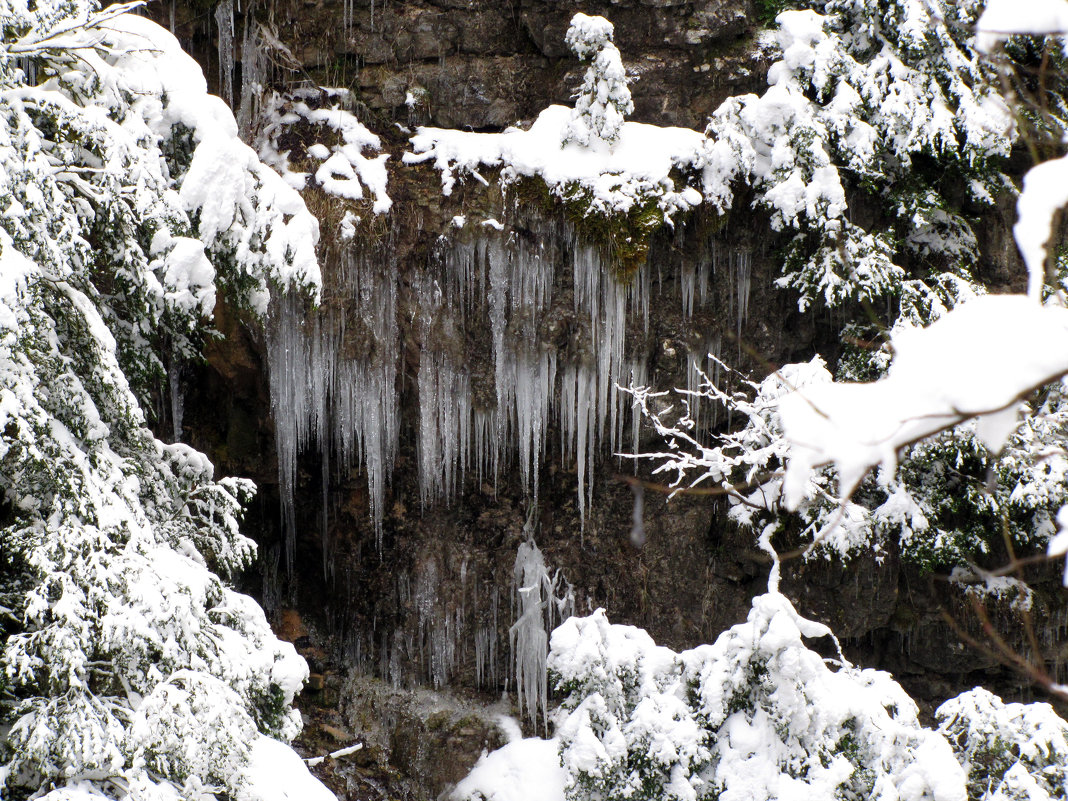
[(127, 201), (1009, 751), (757, 715), (603, 100), (939, 509), (892, 106), (880, 111)]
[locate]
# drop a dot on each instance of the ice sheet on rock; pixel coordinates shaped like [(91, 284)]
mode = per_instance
[(978, 359)]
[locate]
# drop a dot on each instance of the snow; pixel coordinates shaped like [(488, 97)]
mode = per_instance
[(755, 716), (603, 100), (523, 770), (617, 176), (239, 200), (15, 269), (1030, 740), (1045, 192), (1003, 18), (341, 752), (159, 675), (982, 585), (978, 359), (345, 171), (276, 773)]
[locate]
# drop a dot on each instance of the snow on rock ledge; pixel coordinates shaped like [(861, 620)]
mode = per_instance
[(635, 168)]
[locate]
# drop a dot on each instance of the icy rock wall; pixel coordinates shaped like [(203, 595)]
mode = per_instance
[(515, 332), (333, 378), (458, 623)]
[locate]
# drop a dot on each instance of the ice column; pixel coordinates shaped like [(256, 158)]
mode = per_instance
[(591, 407), (538, 611), (333, 376), (521, 280), (254, 67), (224, 18), (445, 413)]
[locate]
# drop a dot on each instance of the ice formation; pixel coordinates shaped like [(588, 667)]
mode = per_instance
[(224, 19), (333, 380), (538, 611), (517, 331)]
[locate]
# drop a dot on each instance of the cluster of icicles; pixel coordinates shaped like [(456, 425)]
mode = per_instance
[(461, 628), (335, 373)]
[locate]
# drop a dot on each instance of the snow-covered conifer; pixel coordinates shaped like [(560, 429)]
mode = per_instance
[(756, 715), (126, 202), (882, 112), (939, 510), (885, 108), (603, 101), (1010, 751)]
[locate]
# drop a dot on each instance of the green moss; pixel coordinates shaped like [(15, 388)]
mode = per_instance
[(622, 239), (767, 10)]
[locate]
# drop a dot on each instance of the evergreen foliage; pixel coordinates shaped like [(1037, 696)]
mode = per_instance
[(127, 202), (1010, 751), (756, 715), (880, 111), (603, 101)]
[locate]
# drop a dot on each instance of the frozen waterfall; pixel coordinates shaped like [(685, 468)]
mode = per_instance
[(501, 336)]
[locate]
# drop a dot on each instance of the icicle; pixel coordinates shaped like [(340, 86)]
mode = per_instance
[(687, 286), (224, 18), (639, 377), (742, 271), (637, 529), (334, 384), (254, 68), (174, 381), (325, 534), (520, 278), (292, 404), (704, 267), (538, 610), (590, 402)]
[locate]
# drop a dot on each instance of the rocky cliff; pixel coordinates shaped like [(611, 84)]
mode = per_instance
[(395, 578)]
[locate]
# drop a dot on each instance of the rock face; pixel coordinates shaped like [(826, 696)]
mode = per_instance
[(480, 64), (426, 599)]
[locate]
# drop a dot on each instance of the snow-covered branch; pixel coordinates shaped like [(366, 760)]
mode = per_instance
[(979, 360)]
